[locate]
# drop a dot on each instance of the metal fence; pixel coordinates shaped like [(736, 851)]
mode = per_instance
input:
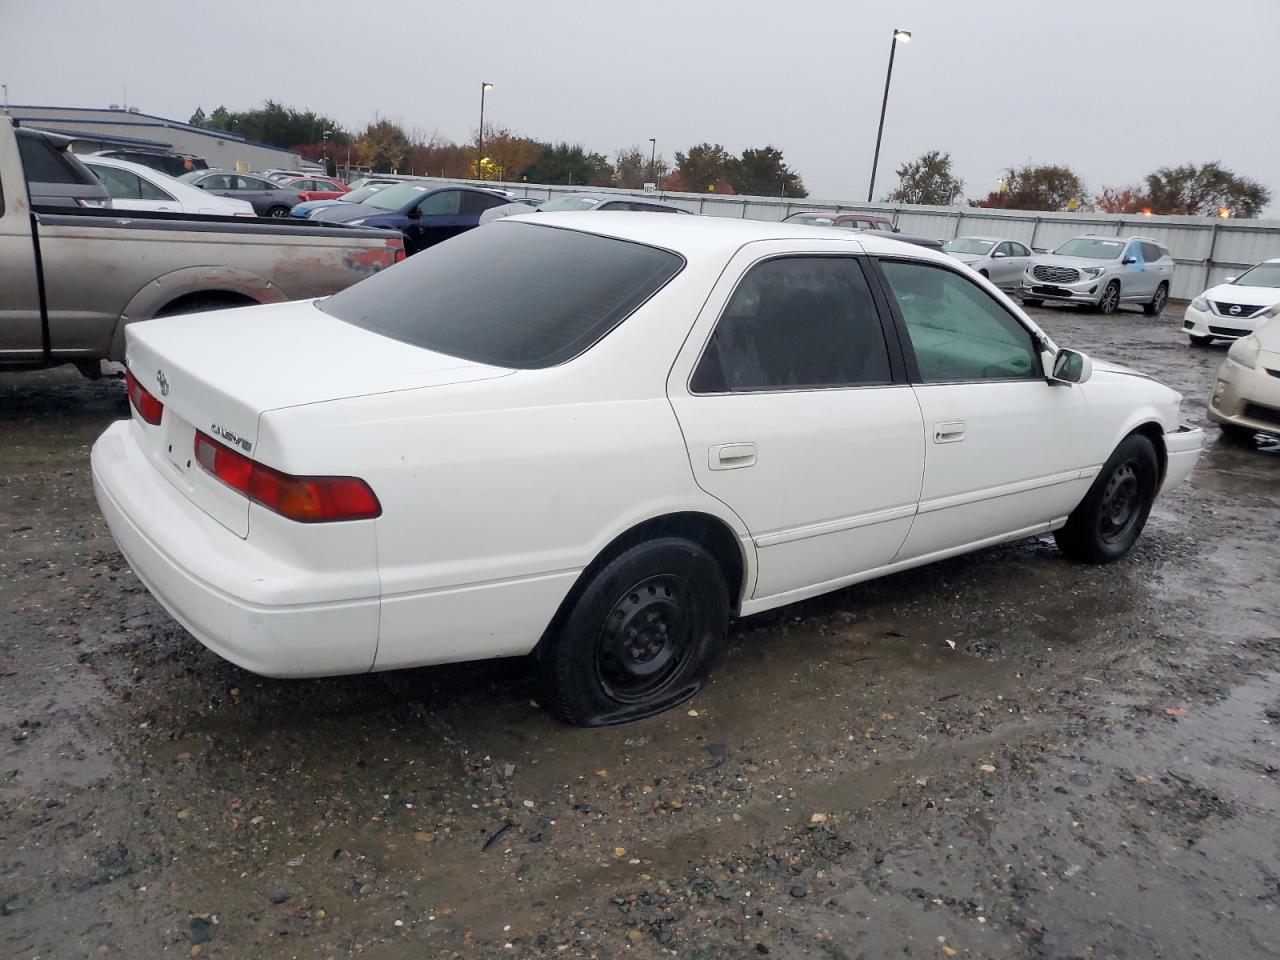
[(1205, 250)]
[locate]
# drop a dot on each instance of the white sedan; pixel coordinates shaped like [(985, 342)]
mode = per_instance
[(1236, 307), (595, 438), (136, 187)]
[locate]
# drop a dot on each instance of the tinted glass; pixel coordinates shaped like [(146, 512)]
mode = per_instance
[(1091, 247), (121, 184), (439, 204), (1150, 252), (1019, 250), (796, 323), (150, 191), (1005, 248), (43, 162), (473, 202), (958, 332), (511, 294)]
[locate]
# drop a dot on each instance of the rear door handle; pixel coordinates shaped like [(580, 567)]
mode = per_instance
[(950, 431), (731, 456)]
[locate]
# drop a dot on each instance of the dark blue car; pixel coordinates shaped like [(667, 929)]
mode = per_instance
[(424, 212)]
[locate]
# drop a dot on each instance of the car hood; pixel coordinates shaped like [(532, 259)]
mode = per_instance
[(343, 212), (1052, 260), (965, 257), (1250, 296)]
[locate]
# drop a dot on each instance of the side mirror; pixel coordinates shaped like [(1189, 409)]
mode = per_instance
[(1070, 366), (414, 213), (1128, 260), (998, 255), (1229, 280)]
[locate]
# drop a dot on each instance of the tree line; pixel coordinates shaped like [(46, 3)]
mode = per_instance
[(1208, 189), (384, 146)]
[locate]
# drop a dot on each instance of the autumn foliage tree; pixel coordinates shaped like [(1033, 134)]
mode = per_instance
[(1204, 191), (1129, 199), (383, 147), (1037, 187)]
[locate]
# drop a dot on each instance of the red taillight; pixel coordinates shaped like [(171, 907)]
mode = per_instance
[(148, 407), (397, 250), (302, 196), (305, 499)]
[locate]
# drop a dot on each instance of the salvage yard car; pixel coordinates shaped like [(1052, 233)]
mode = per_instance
[(1246, 391), (71, 279), (1236, 307), (1102, 272), (595, 438)]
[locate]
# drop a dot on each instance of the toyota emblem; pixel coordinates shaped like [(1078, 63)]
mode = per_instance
[(1235, 310), (164, 383)]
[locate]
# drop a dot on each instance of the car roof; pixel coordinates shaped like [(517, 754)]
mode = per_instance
[(980, 236), (1103, 236), (699, 237)]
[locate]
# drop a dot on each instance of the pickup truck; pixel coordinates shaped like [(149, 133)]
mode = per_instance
[(72, 274)]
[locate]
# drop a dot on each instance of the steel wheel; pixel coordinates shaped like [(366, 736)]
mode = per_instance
[(1121, 501), (645, 638), (1110, 299)]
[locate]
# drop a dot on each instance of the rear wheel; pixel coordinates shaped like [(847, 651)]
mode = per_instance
[(1158, 301), (1031, 302), (1199, 341), (1110, 298), (639, 638), (1112, 514), (278, 212)]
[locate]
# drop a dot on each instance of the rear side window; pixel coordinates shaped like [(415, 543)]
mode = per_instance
[(509, 294), (473, 202), (1151, 253), (44, 163), (796, 323)]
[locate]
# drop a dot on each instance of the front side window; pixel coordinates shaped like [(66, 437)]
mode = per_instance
[(442, 204), (957, 330), (796, 323), (252, 183), (512, 295)]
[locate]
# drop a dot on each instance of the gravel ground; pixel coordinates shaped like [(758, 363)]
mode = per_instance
[(1090, 772)]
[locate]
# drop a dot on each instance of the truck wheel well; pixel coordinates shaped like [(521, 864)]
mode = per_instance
[(205, 300), (702, 528)]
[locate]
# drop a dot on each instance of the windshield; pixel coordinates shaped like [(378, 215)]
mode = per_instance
[(393, 198), (814, 219), (569, 203), (1263, 275), (969, 245), (1091, 248), (364, 193), (511, 295)]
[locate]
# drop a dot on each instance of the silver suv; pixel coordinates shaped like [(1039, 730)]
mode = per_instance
[(1103, 272)]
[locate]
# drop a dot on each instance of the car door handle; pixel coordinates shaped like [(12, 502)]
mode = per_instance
[(731, 456), (950, 431)]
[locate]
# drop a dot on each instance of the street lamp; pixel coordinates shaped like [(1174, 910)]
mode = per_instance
[(904, 36), (653, 157), (485, 87), (324, 149)]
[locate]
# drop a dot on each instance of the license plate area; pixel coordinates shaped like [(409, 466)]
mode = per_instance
[(180, 445)]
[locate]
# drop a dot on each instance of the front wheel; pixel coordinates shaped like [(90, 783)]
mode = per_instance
[(1158, 301), (278, 212), (1112, 514), (1110, 299), (639, 638)]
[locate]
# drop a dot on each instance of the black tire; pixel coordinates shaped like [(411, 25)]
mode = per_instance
[(278, 212), (1159, 300), (640, 636), (1240, 436), (1112, 514), (1032, 302), (1198, 341), (1109, 302), (203, 304)]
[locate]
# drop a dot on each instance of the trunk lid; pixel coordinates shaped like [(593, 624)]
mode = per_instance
[(218, 373)]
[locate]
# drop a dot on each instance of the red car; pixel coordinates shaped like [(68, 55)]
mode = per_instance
[(849, 221), (317, 188)]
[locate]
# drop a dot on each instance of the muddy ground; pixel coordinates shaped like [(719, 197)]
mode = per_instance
[(1090, 772)]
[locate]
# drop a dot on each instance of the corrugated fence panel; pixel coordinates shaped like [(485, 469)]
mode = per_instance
[(1206, 250)]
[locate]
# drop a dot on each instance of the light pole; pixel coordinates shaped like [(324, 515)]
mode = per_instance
[(324, 150), (485, 87), (904, 36), (653, 156)]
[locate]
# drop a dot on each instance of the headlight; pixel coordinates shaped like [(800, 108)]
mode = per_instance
[(1245, 351), (1201, 304), (1093, 271)]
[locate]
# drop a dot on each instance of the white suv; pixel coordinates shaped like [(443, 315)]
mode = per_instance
[(1103, 272)]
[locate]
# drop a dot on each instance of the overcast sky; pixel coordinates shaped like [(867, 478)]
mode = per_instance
[(1111, 88)]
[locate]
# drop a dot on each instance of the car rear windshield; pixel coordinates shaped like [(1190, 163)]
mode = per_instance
[(968, 245), (1091, 248), (560, 204), (509, 294), (1263, 275)]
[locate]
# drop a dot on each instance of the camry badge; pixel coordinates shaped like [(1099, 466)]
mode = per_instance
[(164, 383)]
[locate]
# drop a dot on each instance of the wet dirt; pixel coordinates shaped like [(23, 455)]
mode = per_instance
[(1091, 771)]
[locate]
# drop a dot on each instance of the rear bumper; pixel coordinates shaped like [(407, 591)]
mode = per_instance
[(237, 600), (1182, 450)]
